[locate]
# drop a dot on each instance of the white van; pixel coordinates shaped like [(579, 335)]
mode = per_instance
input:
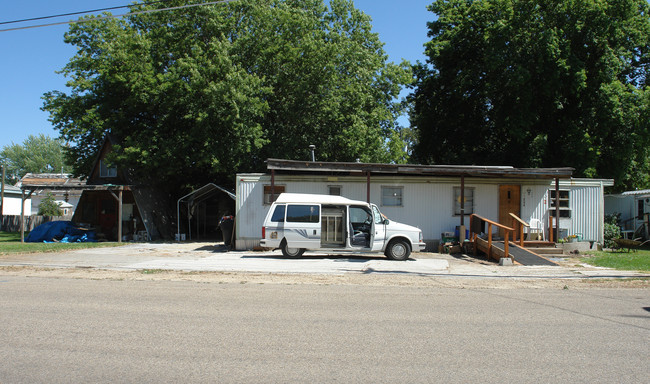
[(297, 222)]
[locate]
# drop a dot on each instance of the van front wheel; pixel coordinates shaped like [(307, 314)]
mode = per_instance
[(291, 252), (398, 250)]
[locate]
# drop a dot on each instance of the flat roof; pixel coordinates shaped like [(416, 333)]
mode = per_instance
[(416, 169)]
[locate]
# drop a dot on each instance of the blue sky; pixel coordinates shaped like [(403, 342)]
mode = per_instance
[(31, 57)]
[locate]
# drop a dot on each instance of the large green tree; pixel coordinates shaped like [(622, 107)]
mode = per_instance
[(200, 93), (537, 83), (37, 154)]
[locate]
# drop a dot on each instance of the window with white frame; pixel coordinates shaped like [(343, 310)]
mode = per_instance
[(392, 196), (469, 201), (106, 170)]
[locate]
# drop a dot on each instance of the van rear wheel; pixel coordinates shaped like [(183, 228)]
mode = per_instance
[(291, 252), (398, 250)]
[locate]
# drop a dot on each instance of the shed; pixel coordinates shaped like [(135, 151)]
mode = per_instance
[(436, 198)]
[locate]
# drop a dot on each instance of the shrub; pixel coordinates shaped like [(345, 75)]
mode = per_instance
[(49, 207), (613, 218), (612, 231)]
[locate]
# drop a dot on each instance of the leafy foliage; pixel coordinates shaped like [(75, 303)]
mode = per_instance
[(611, 232), (37, 154), (613, 218), (537, 83), (49, 207), (201, 93)]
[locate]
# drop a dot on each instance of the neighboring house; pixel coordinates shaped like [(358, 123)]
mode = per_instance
[(11, 202), (634, 208), (62, 186), (67, 209), (429, 196), (109, 204)]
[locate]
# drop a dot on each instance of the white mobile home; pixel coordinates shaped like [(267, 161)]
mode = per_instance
[(634, 208), (430, 197)]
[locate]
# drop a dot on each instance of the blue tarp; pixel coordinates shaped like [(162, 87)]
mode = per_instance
[(60, 231)]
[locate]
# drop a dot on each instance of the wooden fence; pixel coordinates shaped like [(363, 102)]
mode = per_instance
[(11, 223)]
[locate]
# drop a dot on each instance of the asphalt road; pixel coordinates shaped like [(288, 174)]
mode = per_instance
[(58, 330)]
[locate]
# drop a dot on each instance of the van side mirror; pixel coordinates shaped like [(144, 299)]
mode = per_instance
[(386, 221)]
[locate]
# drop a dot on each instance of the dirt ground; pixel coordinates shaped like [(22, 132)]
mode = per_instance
[(442, 281)]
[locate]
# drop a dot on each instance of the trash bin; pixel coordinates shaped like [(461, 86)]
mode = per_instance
[(226, 224)]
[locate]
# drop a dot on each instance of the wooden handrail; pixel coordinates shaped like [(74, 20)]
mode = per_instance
[(522, 224), (507, 231), (519, 220), (491, 222)]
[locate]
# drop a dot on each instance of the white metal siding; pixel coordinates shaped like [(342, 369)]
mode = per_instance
[(625, 205), (427, 202), (249, 211), (585, 203), (585, 213)]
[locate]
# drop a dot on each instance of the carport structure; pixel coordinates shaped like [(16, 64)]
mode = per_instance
[(117, 191), (193, 201)]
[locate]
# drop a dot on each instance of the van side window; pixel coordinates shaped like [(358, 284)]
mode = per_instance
[(278, 214), (303, 213), (378, 216), (359, 215)]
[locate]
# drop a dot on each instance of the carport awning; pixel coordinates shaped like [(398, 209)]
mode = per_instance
[(196, 197), (203, 192)]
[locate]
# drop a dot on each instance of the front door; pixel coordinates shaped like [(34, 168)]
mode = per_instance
[(509, 202)]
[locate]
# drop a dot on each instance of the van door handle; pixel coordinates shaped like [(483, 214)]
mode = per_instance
[(314, 231)]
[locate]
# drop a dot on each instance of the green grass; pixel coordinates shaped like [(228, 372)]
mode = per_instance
[(623, 260), (10, 244)]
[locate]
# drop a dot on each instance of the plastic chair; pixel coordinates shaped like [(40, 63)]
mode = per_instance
[(536, 229)]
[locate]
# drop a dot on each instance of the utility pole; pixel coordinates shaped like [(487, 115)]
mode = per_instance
[(2, 195)]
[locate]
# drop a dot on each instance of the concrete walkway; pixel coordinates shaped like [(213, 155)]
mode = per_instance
[(211, 257)]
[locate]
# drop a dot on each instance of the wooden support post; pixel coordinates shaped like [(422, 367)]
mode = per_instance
[(22, 216), (462, 201), (489, 253), (272, 186), (550, 225), (368, 187), (557, 207), (2, 194), (505, 243), (118, 197), (119, 217), (22, 213)]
